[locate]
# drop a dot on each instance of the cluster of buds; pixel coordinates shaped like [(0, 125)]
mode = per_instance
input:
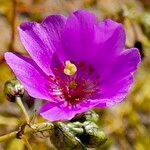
[(80, 133)]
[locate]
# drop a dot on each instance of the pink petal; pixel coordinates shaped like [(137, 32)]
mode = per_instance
[(78, 35), (117, 92), (41, 40), (110, 39), (116, 83), (61, 111)]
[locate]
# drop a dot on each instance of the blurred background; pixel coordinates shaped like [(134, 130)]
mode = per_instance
[(127, 124)]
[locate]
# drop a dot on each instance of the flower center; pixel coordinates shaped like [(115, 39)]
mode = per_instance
[(74, 82)]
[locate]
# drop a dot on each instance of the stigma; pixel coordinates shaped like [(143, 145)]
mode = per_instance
[(70, 68)]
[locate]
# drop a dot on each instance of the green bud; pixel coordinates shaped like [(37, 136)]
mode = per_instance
[(91, 116), (87, 116), (76, 127), (64, 139), (12, 89), (93, 136)]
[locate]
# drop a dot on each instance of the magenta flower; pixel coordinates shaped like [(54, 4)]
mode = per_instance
[(76, 63)]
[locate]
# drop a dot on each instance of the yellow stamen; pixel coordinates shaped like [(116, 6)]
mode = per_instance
[(70, 68), (73, 84)]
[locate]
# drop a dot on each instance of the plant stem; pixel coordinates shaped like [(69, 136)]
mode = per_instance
[(40, 127), (26, 142), (19, 102)]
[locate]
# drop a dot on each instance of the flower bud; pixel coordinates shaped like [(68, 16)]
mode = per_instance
[(93, 136), (12, 89), (87, 116), (64, 139)]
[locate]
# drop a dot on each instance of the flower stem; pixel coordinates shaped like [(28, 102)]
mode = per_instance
[(19, 102), (26, 142), (40, 127), (8, 136)]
